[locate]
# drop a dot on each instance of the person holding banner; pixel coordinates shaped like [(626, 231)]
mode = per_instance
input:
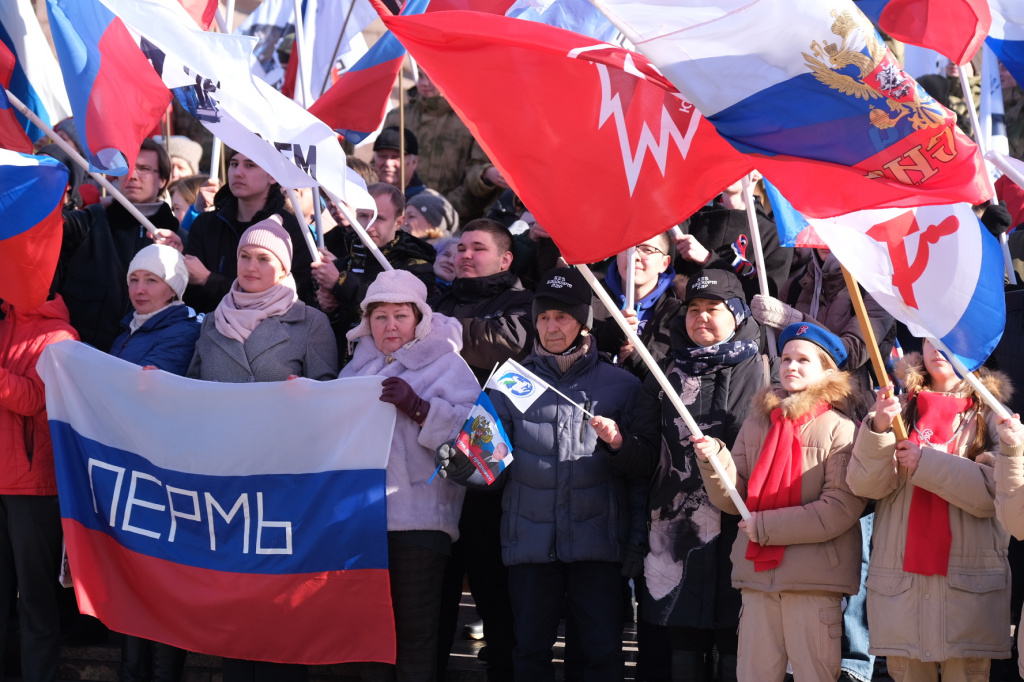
[(939, 579), (570, 520), (433, 389), (250, 196), (30, 528), (261, 331), (716, 366), (799, 554)]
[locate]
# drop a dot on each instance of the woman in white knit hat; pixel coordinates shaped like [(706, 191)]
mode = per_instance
[(261, 331), (161, 332), (433, 390)]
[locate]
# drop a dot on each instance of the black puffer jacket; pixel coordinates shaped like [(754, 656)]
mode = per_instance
[(92, 272), (213, 239), (495, 312), (688, 568)]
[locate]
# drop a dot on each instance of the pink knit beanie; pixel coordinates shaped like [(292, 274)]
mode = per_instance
[(270, 235)]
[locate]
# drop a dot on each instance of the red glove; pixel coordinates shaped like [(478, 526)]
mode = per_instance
[(399, 393)]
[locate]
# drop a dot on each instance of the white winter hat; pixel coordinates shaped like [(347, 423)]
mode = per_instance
[(166, 263), (395, 286)]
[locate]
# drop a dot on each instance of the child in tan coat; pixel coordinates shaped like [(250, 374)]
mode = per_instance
[(800, 551), (938, 582)]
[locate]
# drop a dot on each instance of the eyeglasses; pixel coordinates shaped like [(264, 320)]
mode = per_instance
[(648, 251)]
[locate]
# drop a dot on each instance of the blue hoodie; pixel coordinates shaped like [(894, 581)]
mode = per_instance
[(645, 305)]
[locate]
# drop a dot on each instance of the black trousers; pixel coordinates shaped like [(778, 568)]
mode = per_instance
[(30, 552), (143, 660), (477, 554)]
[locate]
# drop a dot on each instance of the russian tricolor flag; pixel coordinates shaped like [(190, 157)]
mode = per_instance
[(12, 135), (116, 96), (1006, 37), (238, 520), (355, 106), (810, 93), (31, 197)]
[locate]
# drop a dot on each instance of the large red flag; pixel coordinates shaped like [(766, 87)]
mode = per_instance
[(12, 135), (598, 145), (953, 28)]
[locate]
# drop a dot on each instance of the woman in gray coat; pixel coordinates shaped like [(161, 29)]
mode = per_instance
[(261, 331)]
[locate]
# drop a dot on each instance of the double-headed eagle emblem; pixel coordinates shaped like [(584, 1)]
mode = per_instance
[(880, 76), (481, 432)]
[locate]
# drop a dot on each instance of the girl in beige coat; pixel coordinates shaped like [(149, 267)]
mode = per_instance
[(938, 582), (1010, 488), (800, 551)]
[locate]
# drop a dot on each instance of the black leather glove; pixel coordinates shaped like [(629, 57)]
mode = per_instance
[(633, 561), (997, 219), (399, 393), (453, 463)]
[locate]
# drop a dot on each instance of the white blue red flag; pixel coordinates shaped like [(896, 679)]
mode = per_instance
[(953, 28), (794, 230), (117, 99), (808, 90), (355, 106), (31, 197), (934, 268), (36, 78), (12, 134), (484, 441), (1006, 37), (209, 73), (238, 520)]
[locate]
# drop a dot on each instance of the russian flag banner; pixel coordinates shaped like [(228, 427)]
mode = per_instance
[(238, 520), (1006, 37), (31, 197), (116, 97), (809, 91), (934, 268)]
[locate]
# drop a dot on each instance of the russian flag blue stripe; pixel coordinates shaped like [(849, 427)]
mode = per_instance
[(30, 188)]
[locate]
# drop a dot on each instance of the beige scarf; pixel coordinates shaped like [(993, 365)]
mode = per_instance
[(240, 312)]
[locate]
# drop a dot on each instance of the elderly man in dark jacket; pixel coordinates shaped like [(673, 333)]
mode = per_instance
[(569, 517)]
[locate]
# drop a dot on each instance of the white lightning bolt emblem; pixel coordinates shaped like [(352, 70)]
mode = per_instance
[(611, 107)]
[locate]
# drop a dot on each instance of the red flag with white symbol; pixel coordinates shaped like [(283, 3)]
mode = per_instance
[(600, 147)]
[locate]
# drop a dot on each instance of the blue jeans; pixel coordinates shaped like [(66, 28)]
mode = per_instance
[(592, 594), (857, 662)]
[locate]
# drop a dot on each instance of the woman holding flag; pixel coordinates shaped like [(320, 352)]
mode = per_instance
[(938, 582), (433, 390)]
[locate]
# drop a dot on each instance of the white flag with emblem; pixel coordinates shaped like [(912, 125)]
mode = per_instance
[(522, 386)]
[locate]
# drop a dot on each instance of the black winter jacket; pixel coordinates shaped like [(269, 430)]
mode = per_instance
[(92, 271), (213, 239)]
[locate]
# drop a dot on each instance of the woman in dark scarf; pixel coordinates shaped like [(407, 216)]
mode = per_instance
[(716, 366)]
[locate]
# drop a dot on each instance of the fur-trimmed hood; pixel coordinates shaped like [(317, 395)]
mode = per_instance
[(836, 389), (913, 376)]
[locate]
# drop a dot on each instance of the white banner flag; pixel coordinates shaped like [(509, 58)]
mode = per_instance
[(522, 386), (210, 75)]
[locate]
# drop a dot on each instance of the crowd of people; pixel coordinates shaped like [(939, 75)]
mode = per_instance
[(858, 544)]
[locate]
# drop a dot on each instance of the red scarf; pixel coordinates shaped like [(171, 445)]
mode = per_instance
[(929, 537), (776, 478)]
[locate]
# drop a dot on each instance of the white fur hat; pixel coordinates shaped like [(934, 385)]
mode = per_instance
[(395, 286), (166, 263)]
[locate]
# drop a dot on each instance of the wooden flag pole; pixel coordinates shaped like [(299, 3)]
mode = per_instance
[(898, 427), (670, 392), (755, 237), (77, 158)]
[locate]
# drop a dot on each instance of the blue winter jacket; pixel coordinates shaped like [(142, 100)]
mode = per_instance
[(563, 501), (166, 340)]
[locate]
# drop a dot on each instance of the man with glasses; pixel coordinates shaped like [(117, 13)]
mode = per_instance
[(101, 240), (655, 303)]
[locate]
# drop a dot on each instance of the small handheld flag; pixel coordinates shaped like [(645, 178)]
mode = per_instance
[(522, 386), (484, 441)]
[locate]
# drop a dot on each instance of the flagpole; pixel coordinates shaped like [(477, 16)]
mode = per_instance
[(300, 40), (73, 153), (350, 216), (630, 278), (974, 381), (1008, 170), (401, 129), (303, 225), (877, 362), (337, 46), (755, 237), (225, 25), (670, 392), (1011, 275)]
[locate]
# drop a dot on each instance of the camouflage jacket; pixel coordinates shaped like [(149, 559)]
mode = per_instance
[(450, 160)]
